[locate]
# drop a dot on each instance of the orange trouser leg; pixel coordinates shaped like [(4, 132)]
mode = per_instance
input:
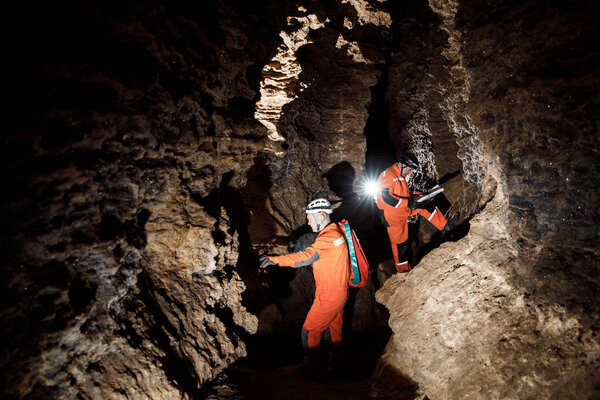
[(398, 231), (335, 328), (436, 217), (320, 318)]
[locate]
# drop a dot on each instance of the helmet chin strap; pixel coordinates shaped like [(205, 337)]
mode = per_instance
[(317, 222)]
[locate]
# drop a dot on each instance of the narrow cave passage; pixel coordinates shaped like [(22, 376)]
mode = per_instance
[(153, 151), (282, 296)]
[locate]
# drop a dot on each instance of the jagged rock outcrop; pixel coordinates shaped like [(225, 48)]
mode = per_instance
[(129, 143), (463, 328), (510, 310)]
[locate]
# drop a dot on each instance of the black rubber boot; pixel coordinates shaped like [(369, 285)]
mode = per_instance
[(334, 366), (312, 366), (451, 222)]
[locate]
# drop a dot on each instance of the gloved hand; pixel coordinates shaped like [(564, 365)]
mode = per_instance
[(265, 261), (416, 196), (413, 202)]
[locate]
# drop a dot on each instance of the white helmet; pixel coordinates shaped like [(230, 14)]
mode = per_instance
[(318, 205)]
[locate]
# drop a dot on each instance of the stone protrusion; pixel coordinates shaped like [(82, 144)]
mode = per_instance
[(281, 84)]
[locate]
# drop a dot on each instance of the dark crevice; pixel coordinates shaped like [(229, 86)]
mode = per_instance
[(234, 332), (128, 331), (210, 203), (381, 151), (110, 227), (81, 294), (135, 231)]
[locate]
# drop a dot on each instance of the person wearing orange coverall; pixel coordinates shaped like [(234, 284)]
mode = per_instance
[(331, 269), (395, 203)]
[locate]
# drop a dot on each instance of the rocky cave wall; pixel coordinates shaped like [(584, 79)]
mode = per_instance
[(511, 310), (129, 138), (153, 150), (136, 155)]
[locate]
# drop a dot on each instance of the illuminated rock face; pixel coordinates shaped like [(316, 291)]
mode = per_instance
[(510, 310), (465, 328), (280, 83)]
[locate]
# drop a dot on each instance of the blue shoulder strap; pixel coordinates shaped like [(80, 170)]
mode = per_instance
[(353, 260)]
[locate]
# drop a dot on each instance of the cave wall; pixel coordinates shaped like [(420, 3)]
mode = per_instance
[(322, 141), (510, 311), (143, 181), (427, 96), (129, 139), (153, 150)]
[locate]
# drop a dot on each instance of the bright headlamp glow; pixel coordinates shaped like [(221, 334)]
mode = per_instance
[(370, 188)]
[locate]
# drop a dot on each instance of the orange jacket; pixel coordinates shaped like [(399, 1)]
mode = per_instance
[(330, 260), (392, 180)]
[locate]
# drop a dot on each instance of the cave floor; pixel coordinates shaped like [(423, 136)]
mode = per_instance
[(276, 373), (289, 383)]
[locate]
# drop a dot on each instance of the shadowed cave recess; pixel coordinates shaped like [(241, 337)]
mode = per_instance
[(152, 151)]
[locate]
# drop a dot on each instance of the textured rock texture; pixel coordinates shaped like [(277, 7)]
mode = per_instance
[(153, 149), (139, 181), (511, 310), (130, 138), (463, 329)]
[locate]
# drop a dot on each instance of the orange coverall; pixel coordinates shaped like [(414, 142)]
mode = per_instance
[(331, 268), (392, 201)]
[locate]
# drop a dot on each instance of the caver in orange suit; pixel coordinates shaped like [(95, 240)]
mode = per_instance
[(329, 257), (393, 200)]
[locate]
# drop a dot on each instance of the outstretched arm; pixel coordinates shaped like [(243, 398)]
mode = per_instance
[(297, 260)]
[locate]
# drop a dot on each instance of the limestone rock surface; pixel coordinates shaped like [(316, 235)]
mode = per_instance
[(510, 310), (463, 328), (130, 138)]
